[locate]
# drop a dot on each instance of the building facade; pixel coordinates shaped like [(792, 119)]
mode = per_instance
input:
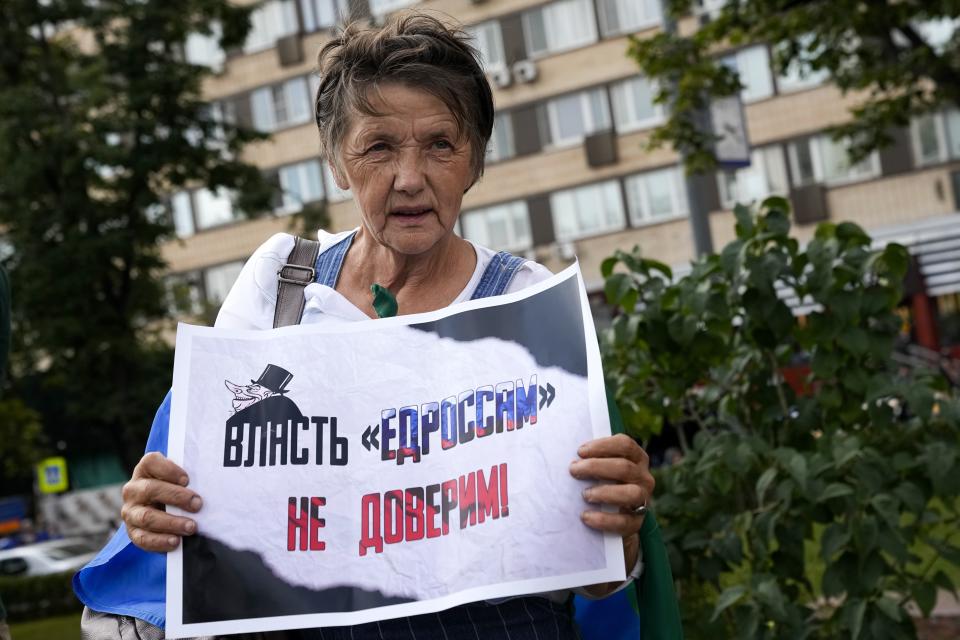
[(567, 171)]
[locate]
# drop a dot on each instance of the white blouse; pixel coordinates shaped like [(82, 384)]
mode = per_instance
[(251, 302)]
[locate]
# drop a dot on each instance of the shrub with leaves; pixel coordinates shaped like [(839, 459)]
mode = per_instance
[(813, 514)]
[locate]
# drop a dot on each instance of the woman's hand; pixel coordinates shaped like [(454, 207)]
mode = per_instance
[(623, 468), (158, 482)]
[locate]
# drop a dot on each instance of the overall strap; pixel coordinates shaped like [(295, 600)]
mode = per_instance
[(306, 265), (498, 275), (292, 279), (330, 261)]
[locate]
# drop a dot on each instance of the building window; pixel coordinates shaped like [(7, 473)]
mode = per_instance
[(633, 104), (300, 184), (281, 105), (569, 118), (656, 195), (323, 14), (489, 42), (501, 146), (213, 208), (624, 16), (753, 66), (821, 159), (269, 23), (383, 7), (182, 213), (504, 227), (586, 211), (766, 176), (938, 33), (561, 25), (184, 293), (218, 280), (799, 74), (204, 50), (936, 137), (334, 193)]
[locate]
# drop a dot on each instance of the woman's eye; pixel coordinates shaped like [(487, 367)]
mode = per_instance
[(378, 146), (443, 144)]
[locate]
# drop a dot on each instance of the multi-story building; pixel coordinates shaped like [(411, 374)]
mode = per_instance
[(567, 170)]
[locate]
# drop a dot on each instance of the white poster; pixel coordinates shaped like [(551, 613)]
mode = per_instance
[(380, 469)]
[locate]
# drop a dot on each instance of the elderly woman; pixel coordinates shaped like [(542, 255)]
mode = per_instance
[(405, 114)]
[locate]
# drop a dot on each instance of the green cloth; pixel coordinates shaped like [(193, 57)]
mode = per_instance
[(656, 598), (383, 301)]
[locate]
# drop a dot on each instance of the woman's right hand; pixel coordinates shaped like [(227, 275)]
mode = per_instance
[(158, 482)]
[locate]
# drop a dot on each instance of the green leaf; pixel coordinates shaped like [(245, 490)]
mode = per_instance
[(606, 267), (778, 222), (744, 226), (854, 340), (851, 231), (616, 287), (843, 305), (835, 537), (896, 257), (776, 202), (890, 609), (841, 576), (911, 496), (797, 467), (873, 569), (655, 265), (949, 551), (835, 490), (943, 581), (889, 540), (747, 621), (729, 597), (925, 595), (853, 611), (769, 594), (730, 549), (763, 483), (865, 533), (824, 363)]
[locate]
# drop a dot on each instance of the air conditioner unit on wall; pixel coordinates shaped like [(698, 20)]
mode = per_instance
[(290, 50), (601, 148), (501, 78), (809, 204), (525, 71)]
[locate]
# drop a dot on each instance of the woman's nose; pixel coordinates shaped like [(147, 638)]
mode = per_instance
[(409, 176)]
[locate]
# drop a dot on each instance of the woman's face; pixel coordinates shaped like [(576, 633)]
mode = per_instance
[(407, 168)]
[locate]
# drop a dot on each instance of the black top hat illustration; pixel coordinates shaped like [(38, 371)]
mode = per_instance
[(274, 378)]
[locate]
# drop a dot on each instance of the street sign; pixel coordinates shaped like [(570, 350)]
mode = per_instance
[(52, 475)]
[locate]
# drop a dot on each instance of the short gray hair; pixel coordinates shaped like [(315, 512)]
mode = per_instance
[(415, 50)]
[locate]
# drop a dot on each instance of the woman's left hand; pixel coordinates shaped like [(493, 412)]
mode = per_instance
[(623, 468)]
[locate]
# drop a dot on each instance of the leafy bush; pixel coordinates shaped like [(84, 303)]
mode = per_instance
[(31, 597), (794, 513)]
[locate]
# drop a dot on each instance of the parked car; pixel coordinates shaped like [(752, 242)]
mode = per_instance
[(54, 556)]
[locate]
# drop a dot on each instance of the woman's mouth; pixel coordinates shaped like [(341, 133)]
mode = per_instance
[(411, 215)]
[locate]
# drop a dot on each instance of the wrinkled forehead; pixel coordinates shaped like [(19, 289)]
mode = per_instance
[(385, 106)]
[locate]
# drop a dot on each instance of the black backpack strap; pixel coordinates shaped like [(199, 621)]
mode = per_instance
[(292, 279)]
